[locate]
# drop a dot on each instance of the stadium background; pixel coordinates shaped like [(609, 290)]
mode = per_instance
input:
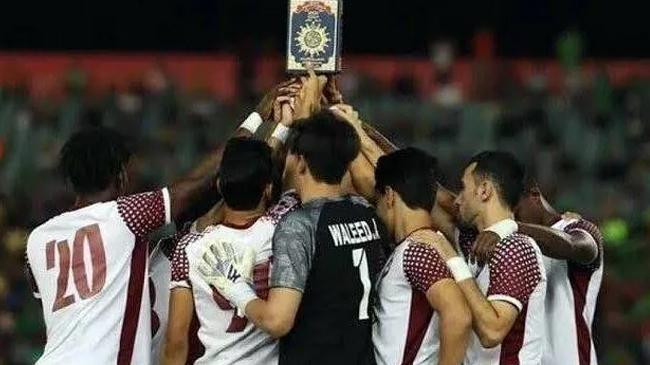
[(565, 85)]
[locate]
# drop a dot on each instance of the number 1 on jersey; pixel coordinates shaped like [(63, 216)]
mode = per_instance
[(360, 261)]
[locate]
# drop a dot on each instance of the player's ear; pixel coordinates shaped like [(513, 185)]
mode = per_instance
[(301, 166), (390, 197), (217, 185), (485, 190), (268, 192)]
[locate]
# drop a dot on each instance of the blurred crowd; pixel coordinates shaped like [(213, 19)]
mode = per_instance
[(588, 145)]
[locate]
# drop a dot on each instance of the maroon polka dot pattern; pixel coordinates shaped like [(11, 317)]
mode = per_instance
[(288, 202), (179, 265), (594, 232), (514, 268), (423, 266), (143, 213)]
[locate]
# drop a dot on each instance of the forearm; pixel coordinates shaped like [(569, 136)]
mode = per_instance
[(176, 346), (175, 355), (380, 140), (263, 315), (485, 319), (561, 245), (454, 336), (370, 149), (363, 177)]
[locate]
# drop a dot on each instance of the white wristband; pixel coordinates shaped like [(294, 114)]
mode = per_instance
[(281, 132), (459, 269), (504, 228), (253, 122), (240, 295)]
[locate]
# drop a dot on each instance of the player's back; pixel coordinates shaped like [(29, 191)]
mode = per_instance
[(227, 337), (89, 266), (333, 324), (571, 295)]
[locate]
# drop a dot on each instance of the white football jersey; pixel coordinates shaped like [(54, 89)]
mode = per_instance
[(227, 337), (159, 278), (571, 294), (90, 268), (406, 327), (514, 274)]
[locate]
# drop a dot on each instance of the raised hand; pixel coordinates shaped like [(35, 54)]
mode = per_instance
[(307, 102), (283, 111), (484, 246), (347, 113), (331, 92), (228, 272), (288, 88), (435, 240)]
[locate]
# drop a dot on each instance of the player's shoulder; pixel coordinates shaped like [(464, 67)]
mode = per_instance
[(72, 218), (359, 201), (587, 226), (288, 202), (192, 237), (419, 251), (518, 245)]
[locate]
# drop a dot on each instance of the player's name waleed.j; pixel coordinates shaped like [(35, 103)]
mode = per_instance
[(353, 233)]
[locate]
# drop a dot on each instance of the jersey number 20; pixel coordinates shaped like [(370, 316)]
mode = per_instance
[(92, 236)]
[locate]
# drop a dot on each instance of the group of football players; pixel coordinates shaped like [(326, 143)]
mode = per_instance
[(327, 245)]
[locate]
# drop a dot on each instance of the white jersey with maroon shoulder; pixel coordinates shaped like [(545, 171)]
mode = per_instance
[(571, 294), (159, 278), (406, 327), (515, 274), (90, 269), (227, 337)]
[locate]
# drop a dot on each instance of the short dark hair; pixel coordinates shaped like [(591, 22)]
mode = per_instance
[(412, 174), (505, 172), (327, 145), (93, 158), (246, 170)]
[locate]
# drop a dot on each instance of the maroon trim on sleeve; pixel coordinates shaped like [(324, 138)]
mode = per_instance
[(419, 318), (133, 304), (579, 280), (514, 340)]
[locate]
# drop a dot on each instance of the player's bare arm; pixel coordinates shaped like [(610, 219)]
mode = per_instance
[(380, 140), (492, 320), (275, 315), (455, 321), (577, 246), (362, 168), (202, 177), (181, 309), (297, 99)]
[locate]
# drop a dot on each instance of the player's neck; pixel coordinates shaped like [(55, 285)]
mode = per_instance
[(84, 200), (317, 190), (241, 218), (410, 222), (494, 213)]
